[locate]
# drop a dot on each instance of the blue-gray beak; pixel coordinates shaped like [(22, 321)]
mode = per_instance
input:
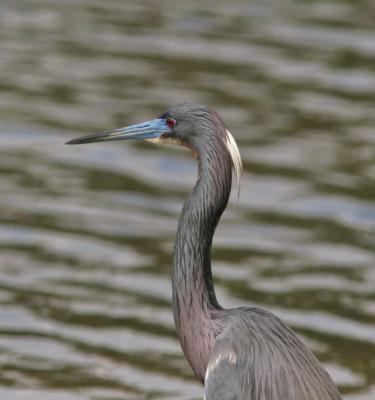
[(146, 130)]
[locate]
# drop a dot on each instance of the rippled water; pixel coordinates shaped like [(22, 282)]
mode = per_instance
[(86, 232)]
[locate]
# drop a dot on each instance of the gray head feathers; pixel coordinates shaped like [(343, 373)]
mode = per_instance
[(198, 127)]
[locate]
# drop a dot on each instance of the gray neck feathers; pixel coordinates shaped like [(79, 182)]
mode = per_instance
[(194, 300)]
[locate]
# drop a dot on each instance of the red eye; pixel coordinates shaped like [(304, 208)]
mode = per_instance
[(171, 122)]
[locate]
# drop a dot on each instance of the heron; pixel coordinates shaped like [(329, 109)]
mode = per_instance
[(244, 353)]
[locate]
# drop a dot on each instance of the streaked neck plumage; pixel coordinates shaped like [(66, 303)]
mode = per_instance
[(194, 299)]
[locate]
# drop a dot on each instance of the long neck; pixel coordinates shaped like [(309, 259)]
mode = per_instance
[(194, 300)]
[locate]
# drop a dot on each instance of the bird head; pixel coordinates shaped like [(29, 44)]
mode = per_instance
[(191, 125)]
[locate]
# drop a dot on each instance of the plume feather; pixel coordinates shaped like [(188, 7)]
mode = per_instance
[(236, 158)]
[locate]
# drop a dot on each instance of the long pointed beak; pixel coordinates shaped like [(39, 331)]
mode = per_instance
[(146, 130)]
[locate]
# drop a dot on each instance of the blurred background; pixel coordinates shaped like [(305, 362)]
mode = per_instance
[(86, 232)]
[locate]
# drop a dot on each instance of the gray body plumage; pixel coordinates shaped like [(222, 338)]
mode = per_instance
[(242, 353), (256, 356)]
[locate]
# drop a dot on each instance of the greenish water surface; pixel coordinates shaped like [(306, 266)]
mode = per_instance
[(86, 232)]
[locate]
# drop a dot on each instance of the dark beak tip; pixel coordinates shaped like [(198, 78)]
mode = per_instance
[(73, 141), (83, 139)]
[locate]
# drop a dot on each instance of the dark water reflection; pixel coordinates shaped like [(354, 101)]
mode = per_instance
[(86, 233)]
